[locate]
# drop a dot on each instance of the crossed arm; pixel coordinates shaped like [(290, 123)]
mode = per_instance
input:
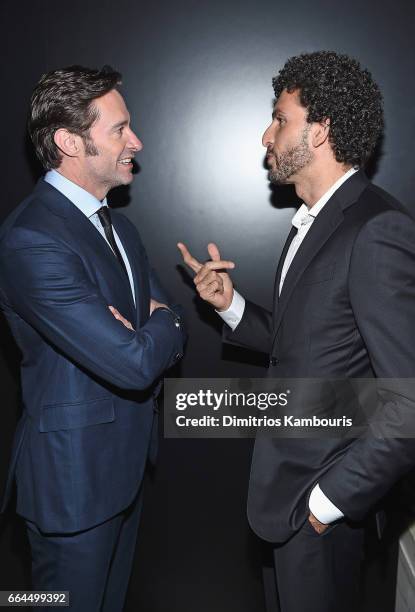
[(46, 284), (153, 306)]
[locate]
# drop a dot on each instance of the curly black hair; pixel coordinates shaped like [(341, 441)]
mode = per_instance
[(333, 86)]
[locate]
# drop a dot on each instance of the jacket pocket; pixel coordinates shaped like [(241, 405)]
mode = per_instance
[(56, 417)]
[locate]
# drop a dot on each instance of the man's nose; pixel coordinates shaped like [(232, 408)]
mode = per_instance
[(135, 142), (268, 137)]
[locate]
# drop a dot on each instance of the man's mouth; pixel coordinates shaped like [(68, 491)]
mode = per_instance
[(127, 161)]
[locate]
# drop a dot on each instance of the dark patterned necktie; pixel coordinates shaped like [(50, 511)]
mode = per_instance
[(105, 218)]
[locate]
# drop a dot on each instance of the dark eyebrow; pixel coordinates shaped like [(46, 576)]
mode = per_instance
[(278, 111), (120, 124)]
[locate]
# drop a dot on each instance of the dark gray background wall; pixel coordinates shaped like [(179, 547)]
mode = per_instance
[(197, 79)]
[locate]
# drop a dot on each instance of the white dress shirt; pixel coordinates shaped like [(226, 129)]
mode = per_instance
[(320, 505), (88, 205)]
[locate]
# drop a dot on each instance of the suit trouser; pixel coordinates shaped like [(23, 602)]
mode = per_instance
[(93, 565), (320, 573)]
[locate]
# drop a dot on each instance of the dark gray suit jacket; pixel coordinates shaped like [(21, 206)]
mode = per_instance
[(346, 310)]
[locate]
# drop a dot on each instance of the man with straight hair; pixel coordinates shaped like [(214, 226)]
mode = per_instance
[(96, 332), (344, 308)]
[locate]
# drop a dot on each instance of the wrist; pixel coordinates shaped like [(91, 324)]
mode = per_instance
[(227, 306), (317, 525)]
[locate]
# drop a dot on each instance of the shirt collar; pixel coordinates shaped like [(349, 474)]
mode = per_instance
[(82, 199), (305, 215)]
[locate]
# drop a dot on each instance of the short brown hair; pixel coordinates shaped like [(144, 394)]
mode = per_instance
[(64, 99)]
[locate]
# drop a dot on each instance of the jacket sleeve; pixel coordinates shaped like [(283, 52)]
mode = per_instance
[(382, 294), (159, 294), (46, 285), (254, 331)]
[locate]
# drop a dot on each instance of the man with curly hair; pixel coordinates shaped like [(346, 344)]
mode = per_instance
[(343, 309)]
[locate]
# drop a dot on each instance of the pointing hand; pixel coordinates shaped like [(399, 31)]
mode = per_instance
[(212, 283)]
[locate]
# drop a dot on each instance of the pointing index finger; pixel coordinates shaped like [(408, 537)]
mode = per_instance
[(188, 258), (213, 251), (210, 266)]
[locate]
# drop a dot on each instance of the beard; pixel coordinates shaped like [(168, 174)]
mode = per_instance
[(292, 160)]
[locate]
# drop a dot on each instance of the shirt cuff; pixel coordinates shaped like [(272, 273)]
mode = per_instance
[(233, 315), (322, 508)]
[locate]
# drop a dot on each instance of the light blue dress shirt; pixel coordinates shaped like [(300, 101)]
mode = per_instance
[(88, 205)]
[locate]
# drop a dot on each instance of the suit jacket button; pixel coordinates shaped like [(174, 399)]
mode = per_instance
[(273, 361), (177, 356)]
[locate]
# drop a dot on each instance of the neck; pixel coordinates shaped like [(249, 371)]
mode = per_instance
[(310, 188), (77, 177)]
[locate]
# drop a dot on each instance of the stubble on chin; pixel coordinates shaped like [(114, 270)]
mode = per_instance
[(291, 161)]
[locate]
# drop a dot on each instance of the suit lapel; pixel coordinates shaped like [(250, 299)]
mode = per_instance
[(323, 227), (289, 240), (134, 259), (90, 240), (325, 224), (87, 233)]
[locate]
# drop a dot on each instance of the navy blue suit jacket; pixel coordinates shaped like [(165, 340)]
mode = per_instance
[(88, 382)]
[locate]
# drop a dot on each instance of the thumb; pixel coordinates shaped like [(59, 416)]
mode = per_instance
[(213, 251)]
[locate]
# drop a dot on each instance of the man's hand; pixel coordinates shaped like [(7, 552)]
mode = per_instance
[(154, 305), (119, 317), (213, 286), (317, 526)]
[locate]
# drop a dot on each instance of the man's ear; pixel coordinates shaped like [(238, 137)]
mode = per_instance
[(320, 132), (67, 142)]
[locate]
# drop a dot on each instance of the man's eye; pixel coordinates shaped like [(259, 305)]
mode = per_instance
[(280, 120), (120, 130)]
